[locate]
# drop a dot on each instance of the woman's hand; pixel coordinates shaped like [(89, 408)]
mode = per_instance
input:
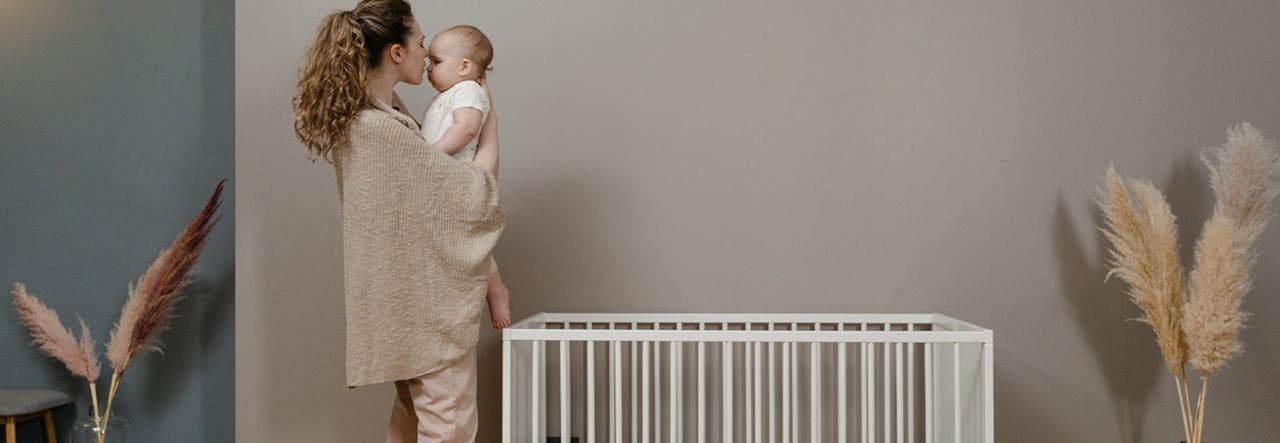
[(484, 83)]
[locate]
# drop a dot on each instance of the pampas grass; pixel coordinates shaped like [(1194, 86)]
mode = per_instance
[(1144, 254), (147, 312), (54, 339), (1202, 328)]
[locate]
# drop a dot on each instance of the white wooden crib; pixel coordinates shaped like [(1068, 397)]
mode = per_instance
[(747, 378)]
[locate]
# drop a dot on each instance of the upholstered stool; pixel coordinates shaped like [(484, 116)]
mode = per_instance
[(18, 406)]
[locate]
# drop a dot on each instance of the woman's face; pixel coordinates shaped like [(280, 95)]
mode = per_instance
[(414, 63)]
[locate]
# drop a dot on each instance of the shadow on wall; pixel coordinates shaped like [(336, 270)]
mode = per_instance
[(1126, 350), (1019, 385), (206, 309)]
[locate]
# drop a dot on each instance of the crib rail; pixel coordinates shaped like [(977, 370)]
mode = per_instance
[(747, 378)]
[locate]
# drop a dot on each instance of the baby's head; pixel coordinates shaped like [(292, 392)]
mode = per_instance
[(456, 54)]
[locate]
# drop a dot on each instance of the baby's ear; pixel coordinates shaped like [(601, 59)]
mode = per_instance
[(465, 67)]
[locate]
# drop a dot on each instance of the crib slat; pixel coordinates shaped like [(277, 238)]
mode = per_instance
[(988, 388), (506, 390), (786, 393), (842, 371), (795, 387), (928, 392), (534, 405), (680, 392), (773, 397), (955, 387), (897, 348), (657, 389), (748, 427), (773, 401), (870, 395), (887, 389), (615, 390), (862, 392), (590, 373), (644, 392), (635, 385), (674, 377), (564, 389), (702, 389), (726, 391), (755, 397), (815, 391), (911, 388)]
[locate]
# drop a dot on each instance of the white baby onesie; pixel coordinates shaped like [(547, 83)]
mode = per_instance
[(439, 116)]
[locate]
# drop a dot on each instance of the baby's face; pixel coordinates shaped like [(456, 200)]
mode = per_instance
[(444, 62)]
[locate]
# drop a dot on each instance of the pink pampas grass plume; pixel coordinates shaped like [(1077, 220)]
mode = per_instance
[(152, 301), (53, 338)]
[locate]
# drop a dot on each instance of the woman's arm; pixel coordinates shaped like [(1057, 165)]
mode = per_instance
[(487, 146), (466, 124)]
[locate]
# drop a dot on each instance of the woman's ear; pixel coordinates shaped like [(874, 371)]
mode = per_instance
[(396, 52)]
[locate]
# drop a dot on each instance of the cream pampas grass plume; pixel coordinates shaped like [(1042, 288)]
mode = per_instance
[(1144, 253), (1218, 285), (1243, 175), (54, 339), (1204, 328)]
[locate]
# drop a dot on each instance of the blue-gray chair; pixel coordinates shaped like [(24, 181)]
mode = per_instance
[(21, 405)]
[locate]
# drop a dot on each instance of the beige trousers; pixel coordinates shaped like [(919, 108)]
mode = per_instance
[(437, 407)]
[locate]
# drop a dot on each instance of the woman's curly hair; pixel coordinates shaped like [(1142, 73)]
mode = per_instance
[(332, 84)]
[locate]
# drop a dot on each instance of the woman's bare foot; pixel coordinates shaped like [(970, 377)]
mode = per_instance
[(499, 305)]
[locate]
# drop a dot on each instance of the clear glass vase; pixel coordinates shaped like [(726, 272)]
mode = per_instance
[(86, 430)]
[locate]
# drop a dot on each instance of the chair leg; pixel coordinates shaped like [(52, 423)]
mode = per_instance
[(10, 430), (48, 427)]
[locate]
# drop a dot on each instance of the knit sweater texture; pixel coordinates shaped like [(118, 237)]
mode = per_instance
[(418, 227)]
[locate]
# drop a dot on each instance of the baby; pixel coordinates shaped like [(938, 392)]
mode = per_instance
[(459, 123)]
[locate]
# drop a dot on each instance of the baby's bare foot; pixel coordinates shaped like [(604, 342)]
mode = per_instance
[(499, 307)]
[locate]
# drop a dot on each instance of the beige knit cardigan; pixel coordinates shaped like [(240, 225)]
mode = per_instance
[(417, 230)]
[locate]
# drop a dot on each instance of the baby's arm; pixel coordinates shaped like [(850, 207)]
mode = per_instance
[(466, 125)]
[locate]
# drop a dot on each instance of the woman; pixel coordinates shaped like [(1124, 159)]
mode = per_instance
[(417, 226)]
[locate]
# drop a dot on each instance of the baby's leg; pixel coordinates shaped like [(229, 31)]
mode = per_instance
[(499, 301)]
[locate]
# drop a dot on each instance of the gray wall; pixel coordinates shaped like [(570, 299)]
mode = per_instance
[(117, 123), (813, 157)]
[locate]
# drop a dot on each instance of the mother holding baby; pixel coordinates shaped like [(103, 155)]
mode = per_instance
[(418, 226)]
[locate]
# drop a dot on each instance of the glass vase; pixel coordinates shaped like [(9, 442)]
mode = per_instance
[(86, 430)]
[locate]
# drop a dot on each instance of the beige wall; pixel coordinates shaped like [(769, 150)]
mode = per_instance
[(823, 157)]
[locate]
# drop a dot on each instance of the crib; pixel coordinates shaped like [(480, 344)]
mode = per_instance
[(870, 378)]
